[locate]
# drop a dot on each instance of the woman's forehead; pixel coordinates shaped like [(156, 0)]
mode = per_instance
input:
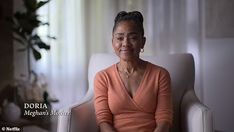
[(127, 26)]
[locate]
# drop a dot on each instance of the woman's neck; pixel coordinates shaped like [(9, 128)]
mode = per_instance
[(130, 66)]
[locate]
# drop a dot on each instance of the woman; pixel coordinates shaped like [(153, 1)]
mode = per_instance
[(132, 95)]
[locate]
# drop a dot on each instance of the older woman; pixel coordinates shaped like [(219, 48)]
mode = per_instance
[(132, 95)]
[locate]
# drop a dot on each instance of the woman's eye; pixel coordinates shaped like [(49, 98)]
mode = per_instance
[(119, 38), (133, 38)]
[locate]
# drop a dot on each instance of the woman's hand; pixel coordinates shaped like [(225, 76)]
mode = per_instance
[(106, 127), (162, 127)]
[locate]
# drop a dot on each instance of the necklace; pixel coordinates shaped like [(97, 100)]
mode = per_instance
[(126, 72)]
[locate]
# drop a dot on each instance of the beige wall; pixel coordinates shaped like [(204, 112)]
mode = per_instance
[(218, 81), (218, 69)]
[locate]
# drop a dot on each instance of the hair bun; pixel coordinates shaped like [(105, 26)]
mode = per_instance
[(135, 16), (120, 15)]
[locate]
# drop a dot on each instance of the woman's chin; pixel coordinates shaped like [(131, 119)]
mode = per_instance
[(127, 57)]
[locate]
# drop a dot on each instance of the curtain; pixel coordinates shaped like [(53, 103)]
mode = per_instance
[(84, 27), (64, 66)]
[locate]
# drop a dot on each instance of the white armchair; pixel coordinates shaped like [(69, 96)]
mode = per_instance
[(190, 115)]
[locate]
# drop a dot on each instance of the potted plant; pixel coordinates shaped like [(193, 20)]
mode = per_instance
[(24, 25)]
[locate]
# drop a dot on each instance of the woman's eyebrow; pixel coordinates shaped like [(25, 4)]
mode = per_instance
[(119, 34), (131, 33)]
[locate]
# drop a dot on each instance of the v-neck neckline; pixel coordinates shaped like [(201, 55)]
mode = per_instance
[(140, 85)]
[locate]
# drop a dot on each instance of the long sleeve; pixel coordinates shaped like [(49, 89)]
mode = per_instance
[(102, 110), (164, 108)]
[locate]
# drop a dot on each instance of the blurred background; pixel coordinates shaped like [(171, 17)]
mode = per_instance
[(204, 28)]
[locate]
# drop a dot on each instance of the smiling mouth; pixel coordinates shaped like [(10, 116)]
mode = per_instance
[(126, 50)]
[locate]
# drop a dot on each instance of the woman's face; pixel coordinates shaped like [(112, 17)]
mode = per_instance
[(127, 41)]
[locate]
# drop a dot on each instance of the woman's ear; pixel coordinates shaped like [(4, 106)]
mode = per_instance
[(143, 42), (112, 39)]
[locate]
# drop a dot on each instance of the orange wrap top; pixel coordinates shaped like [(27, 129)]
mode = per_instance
[(151, 103)]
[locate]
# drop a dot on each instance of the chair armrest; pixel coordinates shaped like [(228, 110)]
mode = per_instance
[(83, 118), (64, 121), (196, 117)]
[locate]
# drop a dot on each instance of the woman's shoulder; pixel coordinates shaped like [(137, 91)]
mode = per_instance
[(157, 68), (106, 71)]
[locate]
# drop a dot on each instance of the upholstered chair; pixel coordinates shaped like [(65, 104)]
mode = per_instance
[(190, 115)]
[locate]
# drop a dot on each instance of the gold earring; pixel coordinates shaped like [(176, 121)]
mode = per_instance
[(142, 50)]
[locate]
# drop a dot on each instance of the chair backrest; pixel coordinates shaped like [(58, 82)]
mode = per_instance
[(180, 67)]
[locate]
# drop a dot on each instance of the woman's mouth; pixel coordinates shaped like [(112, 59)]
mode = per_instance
[(125, 50)]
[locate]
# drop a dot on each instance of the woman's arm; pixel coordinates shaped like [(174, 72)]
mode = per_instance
[(164, 110), (162, 127), (102, 110), (106, 127)]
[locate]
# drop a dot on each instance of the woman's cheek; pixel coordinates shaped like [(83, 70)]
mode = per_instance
[(117, 46)]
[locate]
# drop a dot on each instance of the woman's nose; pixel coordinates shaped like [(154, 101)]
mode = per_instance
[(126, 42)]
